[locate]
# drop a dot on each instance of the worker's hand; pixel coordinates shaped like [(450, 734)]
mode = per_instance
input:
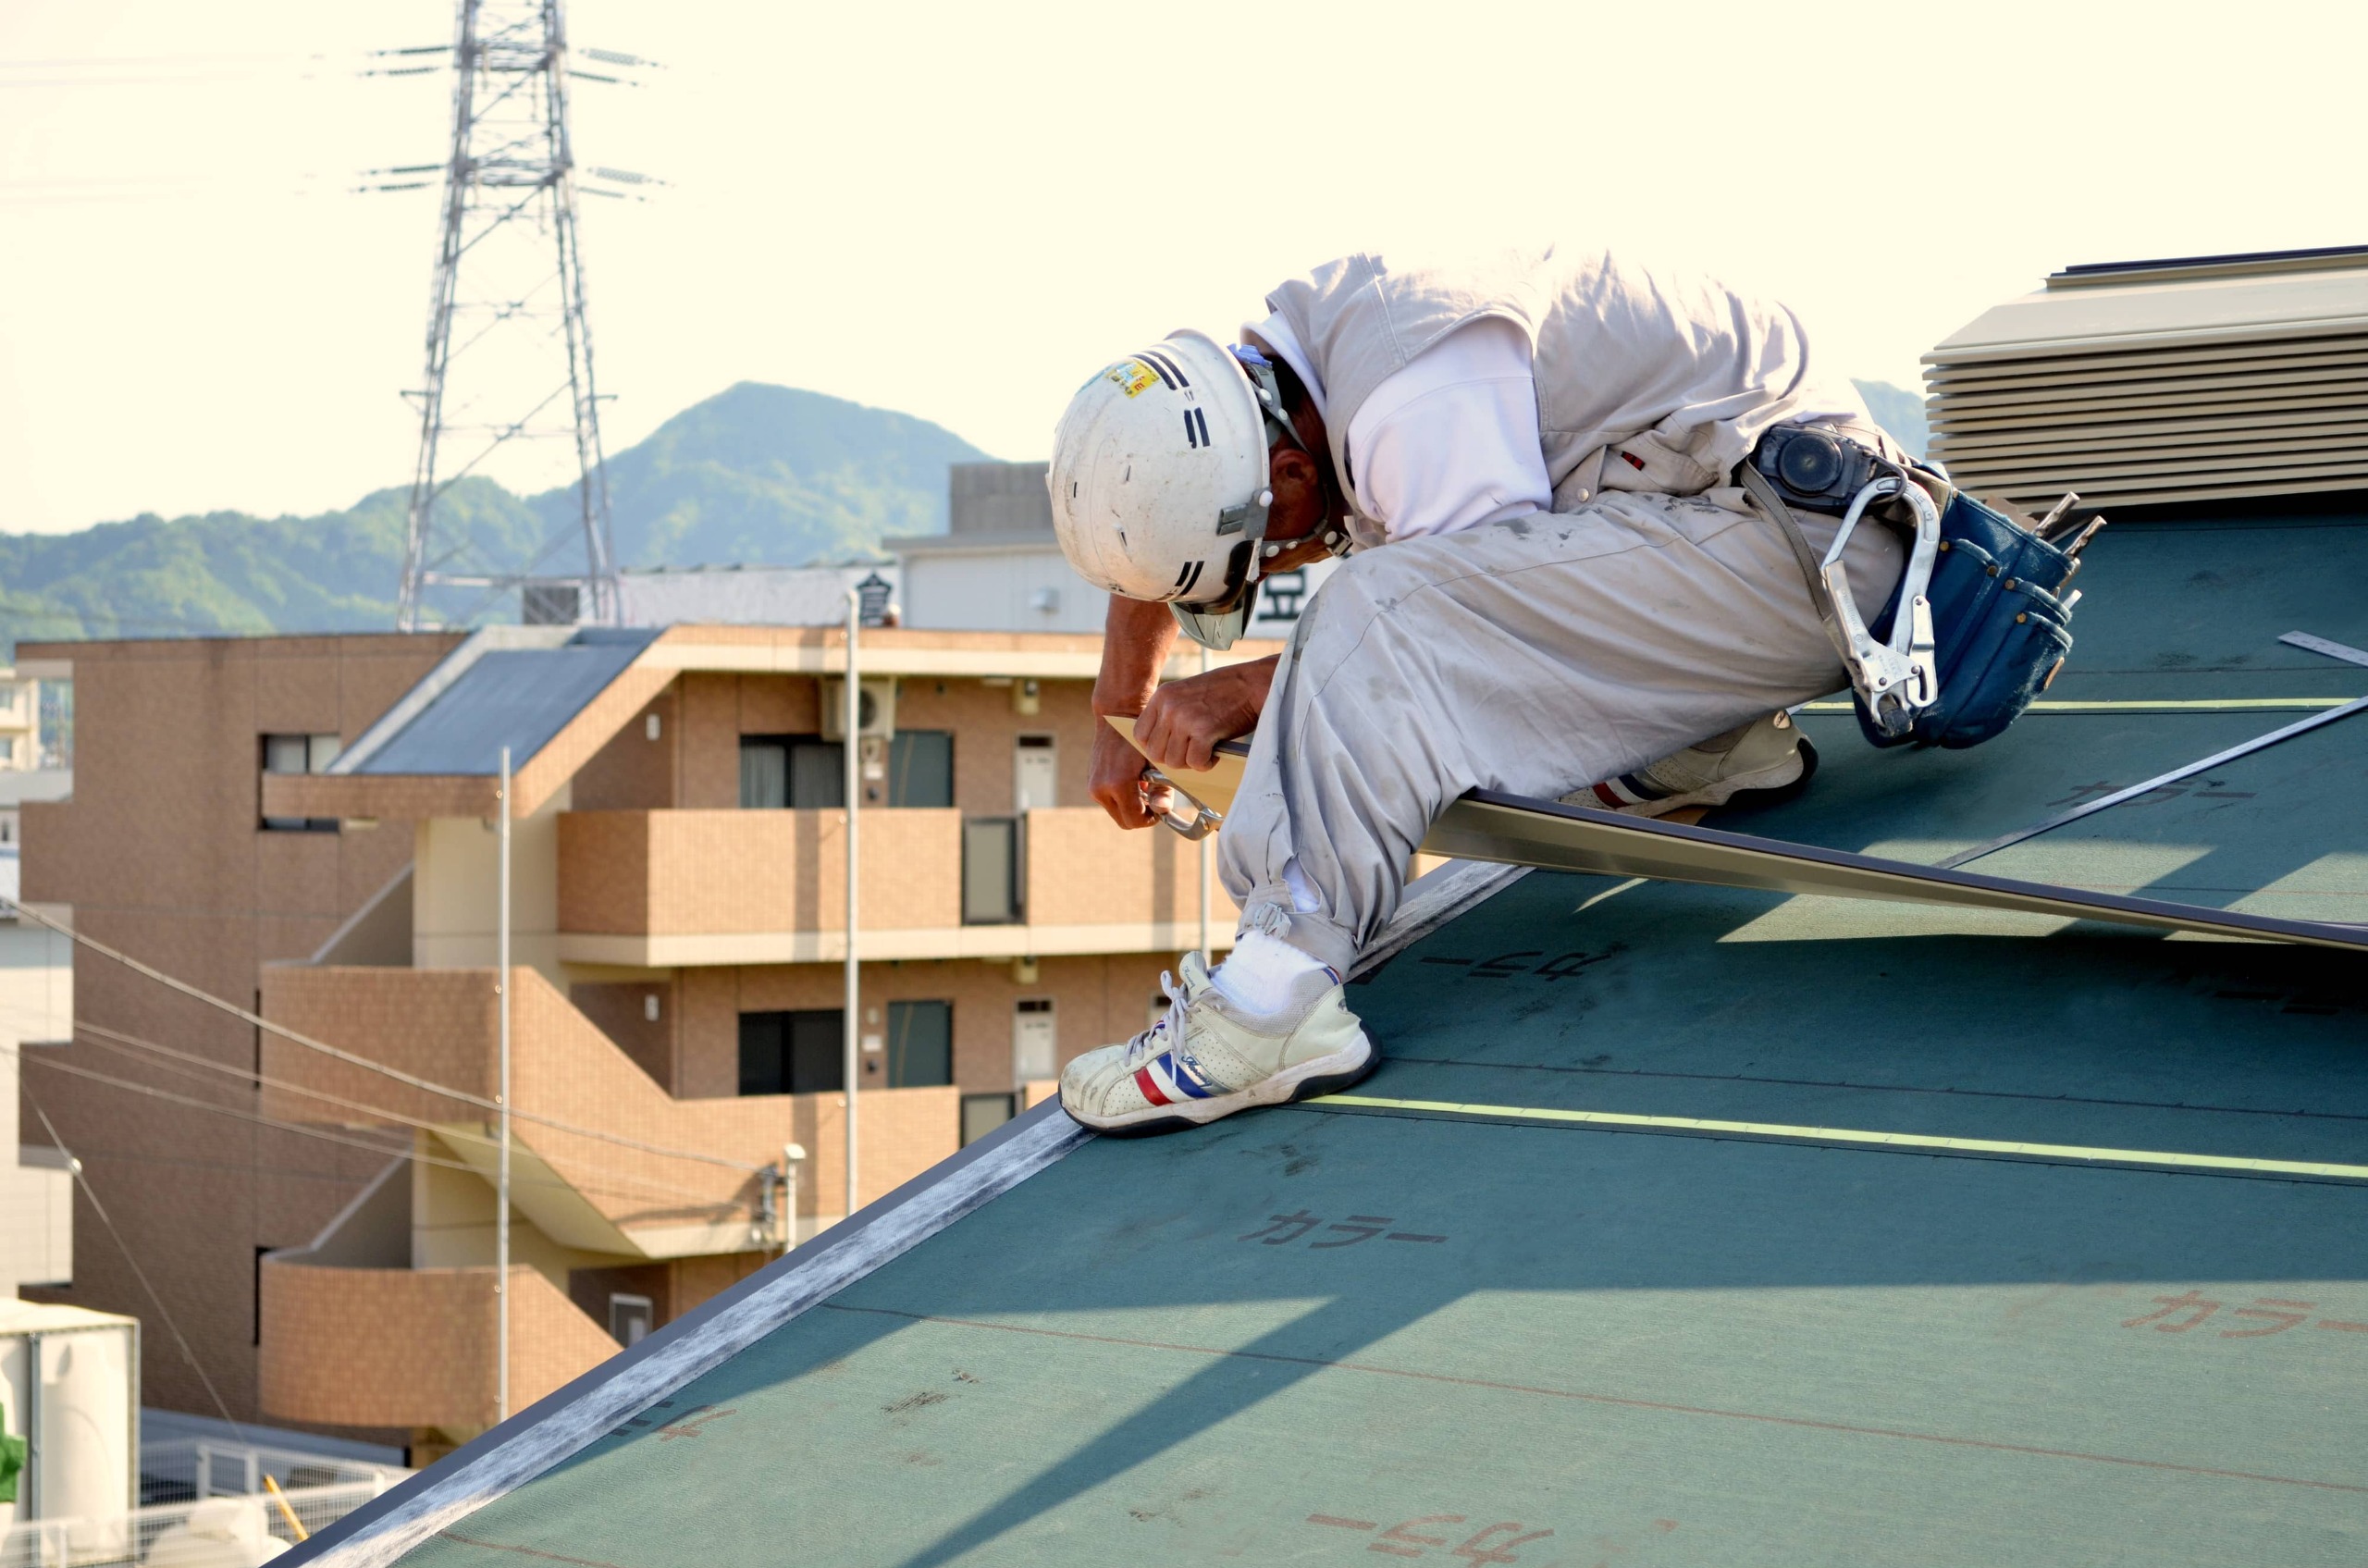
[(1117, 781), (1181, 725)]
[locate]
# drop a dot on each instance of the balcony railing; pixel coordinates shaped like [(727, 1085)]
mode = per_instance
[(665, 888), (412, 1347)]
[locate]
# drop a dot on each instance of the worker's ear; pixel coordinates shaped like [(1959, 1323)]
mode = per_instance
[(1300, 498)]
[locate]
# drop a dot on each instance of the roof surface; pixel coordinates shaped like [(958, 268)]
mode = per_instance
[(518, 698), (1328, 1332)]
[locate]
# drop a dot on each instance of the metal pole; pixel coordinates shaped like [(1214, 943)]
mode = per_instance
[(1205, 863), (501, 1185), (854, 749)]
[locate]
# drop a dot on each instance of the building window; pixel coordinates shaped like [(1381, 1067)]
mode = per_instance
[(261, 1252), (298, 754), (992, 872), (920, 769), (808, 773), (1035, 1040), (800, 1053), (920, 1044), (982, 1114), (630, 1319)]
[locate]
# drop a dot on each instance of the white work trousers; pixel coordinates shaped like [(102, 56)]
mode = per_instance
[(1536, 656)]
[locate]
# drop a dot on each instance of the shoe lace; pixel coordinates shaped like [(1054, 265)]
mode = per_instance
[(1164, 1032)]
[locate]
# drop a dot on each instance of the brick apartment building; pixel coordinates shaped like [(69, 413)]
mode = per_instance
[(304, 827)]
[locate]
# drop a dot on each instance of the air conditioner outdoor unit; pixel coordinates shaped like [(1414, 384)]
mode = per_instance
[(877, 707)]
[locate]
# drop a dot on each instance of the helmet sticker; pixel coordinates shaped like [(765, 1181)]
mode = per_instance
[(1132, 377)]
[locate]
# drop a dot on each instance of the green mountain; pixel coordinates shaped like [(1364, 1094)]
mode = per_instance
[(755, 473), (776, 476)]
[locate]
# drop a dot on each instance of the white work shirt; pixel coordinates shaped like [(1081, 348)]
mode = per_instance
[(1448, 443)]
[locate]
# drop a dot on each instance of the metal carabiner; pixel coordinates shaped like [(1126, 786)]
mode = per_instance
[(1206, 819), (1901, 678)]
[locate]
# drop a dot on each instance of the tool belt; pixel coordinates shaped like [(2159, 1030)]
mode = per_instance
[(1979, 623)]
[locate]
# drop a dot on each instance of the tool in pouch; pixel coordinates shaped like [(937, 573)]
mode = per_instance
[(1975, 630)]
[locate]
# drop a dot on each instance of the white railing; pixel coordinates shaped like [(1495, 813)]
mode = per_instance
[(191, 1469), (211, 1530)]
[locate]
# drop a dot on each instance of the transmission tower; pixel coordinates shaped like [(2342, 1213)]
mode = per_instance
[(508, 388)]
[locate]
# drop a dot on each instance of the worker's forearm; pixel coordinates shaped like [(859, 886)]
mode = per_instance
[(1135, 639)]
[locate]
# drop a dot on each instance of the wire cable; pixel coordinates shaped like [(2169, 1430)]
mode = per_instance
[(75, 1166), (300, 1130), (350, 1059), (107, 1039)]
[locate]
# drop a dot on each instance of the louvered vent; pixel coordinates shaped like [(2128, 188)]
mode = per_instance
[(2144, 383)]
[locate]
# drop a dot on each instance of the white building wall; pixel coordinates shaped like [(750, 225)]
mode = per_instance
[(455, 895), (1031, 589), (746, 595), (1024, 588), (36, 1200)]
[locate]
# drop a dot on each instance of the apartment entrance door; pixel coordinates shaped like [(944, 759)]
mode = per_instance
[(1035, 769)]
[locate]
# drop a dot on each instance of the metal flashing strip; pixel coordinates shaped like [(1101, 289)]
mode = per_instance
[(1487, 826), (1548, 836), (2344, 651), (566, 1422), (1777, 1132), (2101, 803), (2150, 705)]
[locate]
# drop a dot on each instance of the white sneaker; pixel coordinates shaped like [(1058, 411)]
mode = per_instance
[(1768, 756), (1200, 1061)]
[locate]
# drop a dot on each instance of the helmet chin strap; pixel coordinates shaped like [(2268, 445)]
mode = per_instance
[(1336, 544), (1261, 369)]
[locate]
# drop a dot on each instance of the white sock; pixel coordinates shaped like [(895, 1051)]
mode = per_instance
[(1266, 976)]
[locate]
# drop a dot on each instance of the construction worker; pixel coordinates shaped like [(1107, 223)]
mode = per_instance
[(1552, 586)]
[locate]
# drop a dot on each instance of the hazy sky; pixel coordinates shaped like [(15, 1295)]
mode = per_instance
[(960, 211)]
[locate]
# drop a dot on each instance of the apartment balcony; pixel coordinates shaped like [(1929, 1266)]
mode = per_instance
[(590, 1194), (412, 1347), (667, 889)]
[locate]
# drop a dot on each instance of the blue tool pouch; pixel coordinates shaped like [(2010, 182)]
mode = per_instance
[(2000, 631)]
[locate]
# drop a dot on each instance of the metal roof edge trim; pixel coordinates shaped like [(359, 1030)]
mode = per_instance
[(450, 668), (1432, 900), (563, 1423)]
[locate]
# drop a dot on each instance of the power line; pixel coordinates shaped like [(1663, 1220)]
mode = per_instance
[(108, 1039), (349, 1058), (302, 1130), (138, 1273)]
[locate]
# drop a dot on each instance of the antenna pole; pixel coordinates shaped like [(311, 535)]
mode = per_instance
[(853, 749), (501, 1184)]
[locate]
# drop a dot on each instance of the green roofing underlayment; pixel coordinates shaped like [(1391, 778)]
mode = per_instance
[(1334, 1333)]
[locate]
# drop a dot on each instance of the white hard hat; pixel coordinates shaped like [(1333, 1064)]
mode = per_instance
[(1159, 479)]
